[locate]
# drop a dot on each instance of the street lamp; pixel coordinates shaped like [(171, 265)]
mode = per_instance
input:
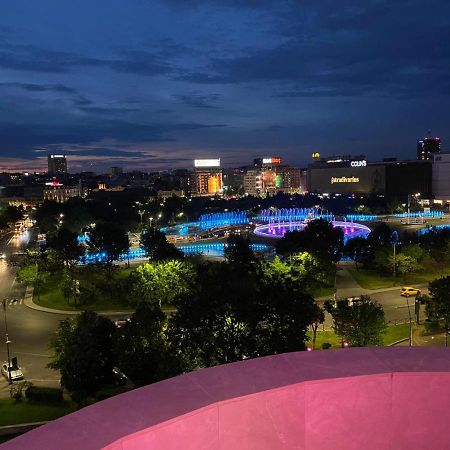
[(7, 342), (410, 322), (394, 240)]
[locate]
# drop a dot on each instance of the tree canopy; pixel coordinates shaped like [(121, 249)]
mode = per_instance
[(319, 238), (83, 353), (360, 321), (156, 247), (109, 239), (142, 347)]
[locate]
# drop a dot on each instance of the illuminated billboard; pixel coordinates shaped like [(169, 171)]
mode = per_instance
[(272, 160), (207, 162)]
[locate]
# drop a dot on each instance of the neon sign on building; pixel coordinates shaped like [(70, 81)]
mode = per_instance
[(344, 180), (362, 163)]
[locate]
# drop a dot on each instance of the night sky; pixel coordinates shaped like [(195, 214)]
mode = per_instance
[(154, 84)]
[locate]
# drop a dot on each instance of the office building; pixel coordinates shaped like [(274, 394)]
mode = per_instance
[(57, 165), (268, 176), (441, 177), (427, 147), (206, 178), (355, 175)]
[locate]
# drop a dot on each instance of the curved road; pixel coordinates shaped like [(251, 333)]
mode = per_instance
[(30, 330)]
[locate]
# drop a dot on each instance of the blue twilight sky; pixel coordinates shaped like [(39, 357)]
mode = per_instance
[(153, 84)]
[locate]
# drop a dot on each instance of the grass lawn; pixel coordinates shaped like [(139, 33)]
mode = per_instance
[(12, 412), (393, 334), (104, 298), (370, 279), (324, 292)]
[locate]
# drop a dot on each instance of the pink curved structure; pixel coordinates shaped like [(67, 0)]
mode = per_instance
[(371, 398)]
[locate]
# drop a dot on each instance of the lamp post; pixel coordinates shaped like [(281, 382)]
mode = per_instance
[(410, 322), (7, 342), (394, 240)]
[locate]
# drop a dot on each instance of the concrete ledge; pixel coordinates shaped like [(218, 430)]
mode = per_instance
[(19, 428), (337, 399)]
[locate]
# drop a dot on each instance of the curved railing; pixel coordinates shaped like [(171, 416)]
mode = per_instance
[(371, 398)]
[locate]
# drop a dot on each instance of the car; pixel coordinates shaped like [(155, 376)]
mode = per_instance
[(14, 371), (409, 291), (121, 322)]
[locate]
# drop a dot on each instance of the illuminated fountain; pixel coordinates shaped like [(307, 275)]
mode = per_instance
[(279, 229)]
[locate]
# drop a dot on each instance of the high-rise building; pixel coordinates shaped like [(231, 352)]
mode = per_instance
[(57, 164), (207, 178), (267, 177), (427, 147)]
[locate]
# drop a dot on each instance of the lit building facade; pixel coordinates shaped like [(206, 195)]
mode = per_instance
[(59, 193), (57, 164), (206, 178), (441, 177), (427, 147), (268, 176), (355, 175)]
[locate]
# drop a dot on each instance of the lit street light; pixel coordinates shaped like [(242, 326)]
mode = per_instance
[(7, 342)]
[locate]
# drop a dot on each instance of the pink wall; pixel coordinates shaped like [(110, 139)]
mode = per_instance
[(374, 398)]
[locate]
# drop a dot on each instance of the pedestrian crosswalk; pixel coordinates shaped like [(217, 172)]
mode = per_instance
[(9, 302)]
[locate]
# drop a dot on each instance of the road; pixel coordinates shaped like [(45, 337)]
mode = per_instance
[(28, 330), (395, 306)]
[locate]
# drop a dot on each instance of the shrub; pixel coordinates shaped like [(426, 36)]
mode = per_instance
[(326, 345), (105, 393), (44, 394)]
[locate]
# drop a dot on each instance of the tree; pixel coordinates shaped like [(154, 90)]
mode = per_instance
[(238, 251), (361, 322), (83, 353), (143, 349), (283, 311), (210, 325), (380, 236), (110, 240), (404, 264), (31, 272), (161, 282), (317, 320), (9, 215), (77, 215), (66, 245), (156, 247), (47, 216), (319, 238), (357, 249), (227, 317), (439, 302), (304, 269)]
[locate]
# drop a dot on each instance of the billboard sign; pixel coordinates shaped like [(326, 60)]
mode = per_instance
[(273, 160), (207, 162)]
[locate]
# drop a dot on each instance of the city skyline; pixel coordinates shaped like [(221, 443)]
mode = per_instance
[(154, 85)]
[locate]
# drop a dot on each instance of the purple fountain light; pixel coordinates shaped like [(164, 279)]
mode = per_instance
[(279, 229)]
